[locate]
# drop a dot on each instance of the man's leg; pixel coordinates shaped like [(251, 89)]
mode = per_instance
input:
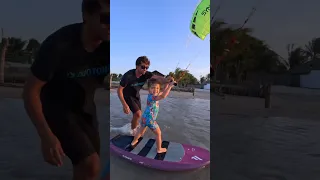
[(79, 138), (87, 169), (135, 119), (135, 107), (141, 132)]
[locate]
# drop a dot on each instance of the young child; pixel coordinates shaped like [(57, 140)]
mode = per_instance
[(150, 114)]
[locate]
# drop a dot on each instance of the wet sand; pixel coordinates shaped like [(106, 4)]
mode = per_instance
[(21, 157), (281, 143)]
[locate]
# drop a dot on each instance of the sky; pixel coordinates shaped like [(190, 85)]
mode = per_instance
[(276, 22), (160, 31)]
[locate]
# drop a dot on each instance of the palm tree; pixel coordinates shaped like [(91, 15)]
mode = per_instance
[(312, 49), (32, 48), (16, 45), (218, 35), (296, 56)]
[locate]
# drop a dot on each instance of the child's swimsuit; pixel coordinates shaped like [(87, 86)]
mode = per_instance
[(150, 114)]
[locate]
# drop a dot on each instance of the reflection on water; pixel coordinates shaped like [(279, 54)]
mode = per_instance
[(274, 148), (181, 120)]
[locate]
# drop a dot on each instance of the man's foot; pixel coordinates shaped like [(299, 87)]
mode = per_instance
[(134, 131), (161, 150)]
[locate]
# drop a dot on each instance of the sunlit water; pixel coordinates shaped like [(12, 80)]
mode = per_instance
[(245, 147), (181, 120), (273, 148)]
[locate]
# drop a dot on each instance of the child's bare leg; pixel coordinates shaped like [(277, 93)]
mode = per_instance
[(157, 132), (141, 132)]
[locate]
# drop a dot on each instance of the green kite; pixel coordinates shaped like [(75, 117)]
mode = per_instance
[(200, 22)]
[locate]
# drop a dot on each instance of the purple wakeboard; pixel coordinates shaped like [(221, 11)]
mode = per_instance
[(179, 157)]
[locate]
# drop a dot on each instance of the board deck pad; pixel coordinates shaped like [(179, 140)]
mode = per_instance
[(177, 158), (147, 150)]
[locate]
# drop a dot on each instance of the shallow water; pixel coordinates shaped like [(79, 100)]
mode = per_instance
[(181, 120), (20, 156), (273, 148)]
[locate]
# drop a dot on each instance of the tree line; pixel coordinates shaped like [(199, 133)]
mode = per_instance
[(236, 52), (183, 76), (24, 51), (16, 50)]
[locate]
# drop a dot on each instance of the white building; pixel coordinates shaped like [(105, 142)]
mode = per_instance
[(307, 75), (207, 86)]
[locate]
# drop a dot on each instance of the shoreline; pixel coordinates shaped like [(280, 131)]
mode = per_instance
[(101, 94), (285, 102), (205, 95)]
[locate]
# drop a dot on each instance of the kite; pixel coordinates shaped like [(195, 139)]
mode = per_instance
[(200, 22)]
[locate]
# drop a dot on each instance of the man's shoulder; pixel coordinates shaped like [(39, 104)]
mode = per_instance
[(148, 75), (129, 72), (67, 33), (69, 29)]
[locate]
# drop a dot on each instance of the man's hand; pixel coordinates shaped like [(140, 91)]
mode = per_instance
[(126, 109), (51, 150)]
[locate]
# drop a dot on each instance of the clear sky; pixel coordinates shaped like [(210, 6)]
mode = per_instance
[(159, 30)]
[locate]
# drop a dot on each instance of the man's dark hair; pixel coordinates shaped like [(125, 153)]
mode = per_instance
[(90, 6), (142, 59)]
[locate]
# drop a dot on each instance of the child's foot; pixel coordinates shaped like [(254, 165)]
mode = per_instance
[(161, 150), (134, 143)]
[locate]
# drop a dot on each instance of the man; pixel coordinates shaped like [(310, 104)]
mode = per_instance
[(59, 95), (130, 85)]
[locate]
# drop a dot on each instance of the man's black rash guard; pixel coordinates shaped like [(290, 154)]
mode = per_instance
[(132, 84), (72, 75)]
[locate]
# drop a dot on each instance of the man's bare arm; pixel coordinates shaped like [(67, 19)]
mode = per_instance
[(33, 106), (120, 95)]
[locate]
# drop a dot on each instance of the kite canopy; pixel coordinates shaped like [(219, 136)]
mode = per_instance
[(200, 22)]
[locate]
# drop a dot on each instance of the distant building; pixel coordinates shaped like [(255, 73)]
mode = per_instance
[(207, 86), (157, 73), (307, 75)]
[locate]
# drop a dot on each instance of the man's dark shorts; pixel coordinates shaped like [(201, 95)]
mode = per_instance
[(133, 103), (78, 135)]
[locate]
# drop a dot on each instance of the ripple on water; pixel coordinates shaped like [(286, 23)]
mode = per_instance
[(181, 120), (266, 148)]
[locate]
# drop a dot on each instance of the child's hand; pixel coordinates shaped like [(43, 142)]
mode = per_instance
[(172, 83), (170, 79)]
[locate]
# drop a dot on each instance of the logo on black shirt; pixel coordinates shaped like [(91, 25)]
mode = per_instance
[(90, 72), (138, 84)]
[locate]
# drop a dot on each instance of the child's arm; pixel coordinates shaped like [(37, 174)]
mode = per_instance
[(165, 87), (165, 93)]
